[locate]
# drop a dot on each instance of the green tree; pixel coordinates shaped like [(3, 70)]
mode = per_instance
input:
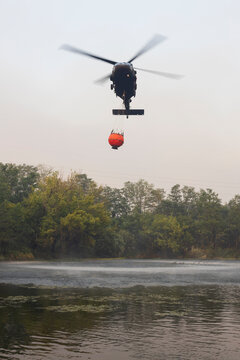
[(12, 229), (232, 229), (173, 204), (166, 233), (209, 219), (141, 196), (79, 229), (64, 218), (17, 181), (115, 202)]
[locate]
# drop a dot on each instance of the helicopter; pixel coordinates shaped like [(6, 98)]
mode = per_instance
[(123, 76)]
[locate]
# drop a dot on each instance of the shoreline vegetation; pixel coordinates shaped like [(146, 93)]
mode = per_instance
[(44, 216), (194, 254)]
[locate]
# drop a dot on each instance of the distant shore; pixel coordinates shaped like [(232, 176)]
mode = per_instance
[(194, 254)]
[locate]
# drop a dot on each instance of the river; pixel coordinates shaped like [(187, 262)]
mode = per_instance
[(120, 309)]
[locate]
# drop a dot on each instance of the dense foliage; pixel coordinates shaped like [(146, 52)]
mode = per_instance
[(43, 215)]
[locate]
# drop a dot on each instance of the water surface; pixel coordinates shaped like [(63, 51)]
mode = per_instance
[(120, 309)]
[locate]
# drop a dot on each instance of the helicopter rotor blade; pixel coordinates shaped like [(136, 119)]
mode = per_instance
[(150, 44), (79, 51), (102, 80), (165, 74)]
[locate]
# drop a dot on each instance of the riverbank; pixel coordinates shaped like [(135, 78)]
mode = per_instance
[(194, 253)]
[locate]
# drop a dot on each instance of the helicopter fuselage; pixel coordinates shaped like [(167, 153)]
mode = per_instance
[(123, 76), (124, 82)]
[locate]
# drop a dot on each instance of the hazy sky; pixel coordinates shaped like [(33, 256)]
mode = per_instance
[(52, 113)]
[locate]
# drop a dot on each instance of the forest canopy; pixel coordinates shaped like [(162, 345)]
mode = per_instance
[(43, 215)]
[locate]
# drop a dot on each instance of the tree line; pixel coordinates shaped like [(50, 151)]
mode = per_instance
[(43, 215)]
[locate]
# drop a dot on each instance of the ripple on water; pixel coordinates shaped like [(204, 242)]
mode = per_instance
[(201, 320)]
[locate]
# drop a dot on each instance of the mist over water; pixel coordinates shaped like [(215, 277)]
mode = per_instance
[(121, 309), (121, 273)]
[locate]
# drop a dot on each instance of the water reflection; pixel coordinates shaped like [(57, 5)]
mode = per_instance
[(155, 322), (120, 309)]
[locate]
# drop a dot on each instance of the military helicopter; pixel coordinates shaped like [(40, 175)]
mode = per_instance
[(123, 76)]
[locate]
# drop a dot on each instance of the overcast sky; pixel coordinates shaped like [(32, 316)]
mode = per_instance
[(52, 113)]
